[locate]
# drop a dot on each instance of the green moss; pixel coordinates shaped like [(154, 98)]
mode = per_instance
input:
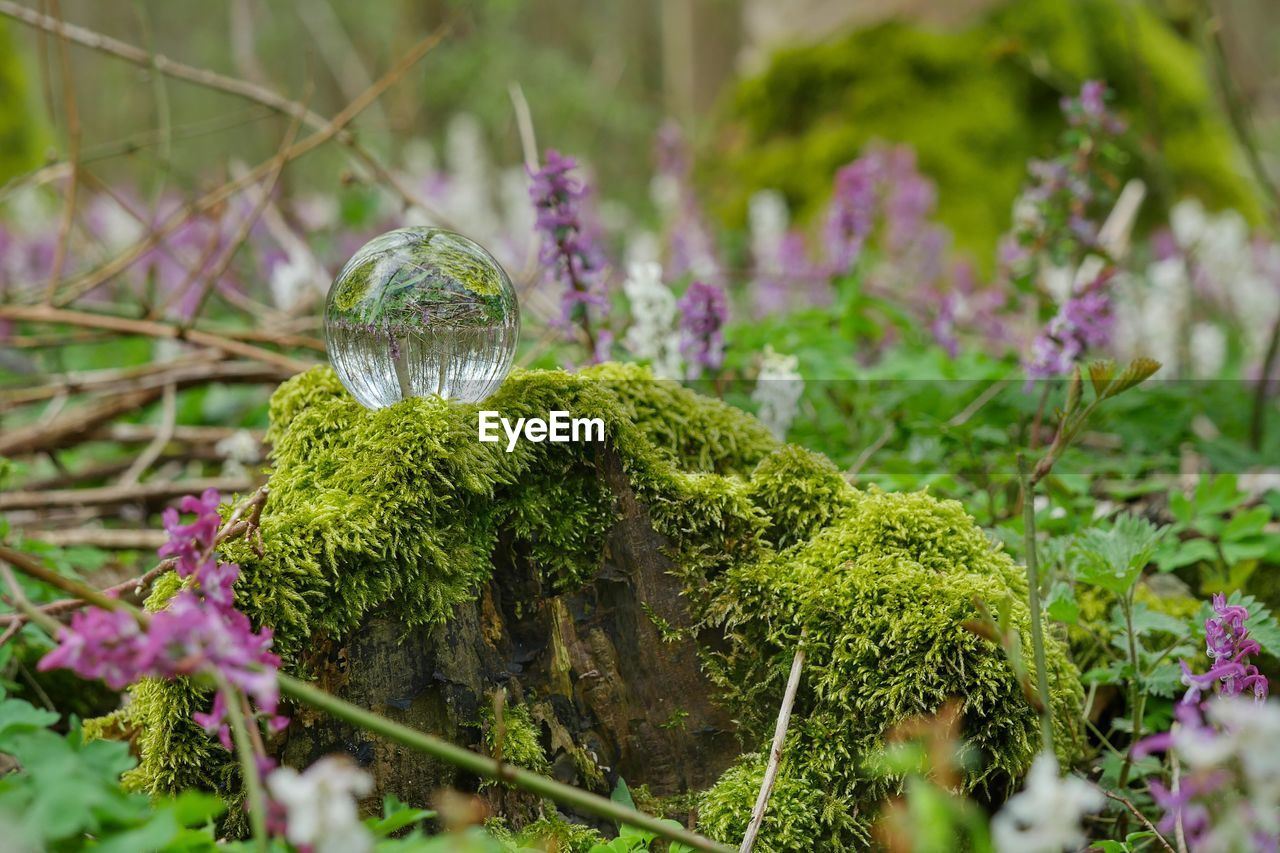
[(554, 834), (521, 744), (976, 104), (400, 509), (800, 816)]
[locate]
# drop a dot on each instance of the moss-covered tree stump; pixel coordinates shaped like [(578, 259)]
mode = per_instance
[(639, 601)]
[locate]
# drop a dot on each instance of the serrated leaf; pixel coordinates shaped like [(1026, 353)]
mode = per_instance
[(1138, 371), (1100, 373)]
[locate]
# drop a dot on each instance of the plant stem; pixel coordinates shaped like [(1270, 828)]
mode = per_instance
[(775, 751), (1257, 422), (481, 765), (1033, 594), (1137, 699), (248, 768)]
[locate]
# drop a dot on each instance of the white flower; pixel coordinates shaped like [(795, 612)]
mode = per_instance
[(321, 805), (294, 276), (779, 387), (767, 214), (1208, 350), (1045, 816), (653, 334), (238, 450)]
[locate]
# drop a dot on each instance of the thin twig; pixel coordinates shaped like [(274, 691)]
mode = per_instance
[(136, 493), (73, 157), (149, 328), (246, 226), (222, 83), (1140, 816), (149, 454), (775, 751)]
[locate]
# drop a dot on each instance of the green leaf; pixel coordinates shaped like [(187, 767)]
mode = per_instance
[(1138, 371), (1174, 554), (1113, 557), (1061, 604), (1100, 373), (17, 715)]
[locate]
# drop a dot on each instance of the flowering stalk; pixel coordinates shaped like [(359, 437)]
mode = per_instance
[(704, 309), (567, 247)]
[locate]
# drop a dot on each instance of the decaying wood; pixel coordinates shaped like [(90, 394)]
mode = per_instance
[(604, 687)]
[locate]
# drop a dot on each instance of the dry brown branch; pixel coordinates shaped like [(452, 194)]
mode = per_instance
[(100, 537), (105, 381), (236, 525), (246, 226), (74, 426), (137, 493), (133, 433), (1140, 816), (150, 328), (222, 83), (73, 156)]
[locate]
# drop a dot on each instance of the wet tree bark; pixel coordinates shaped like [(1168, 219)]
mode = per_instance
[(610, 693)]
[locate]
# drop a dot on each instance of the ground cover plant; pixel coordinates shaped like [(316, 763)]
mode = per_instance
[(919, 523)]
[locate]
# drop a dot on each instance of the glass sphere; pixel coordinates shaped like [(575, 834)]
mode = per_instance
[(421, 311)]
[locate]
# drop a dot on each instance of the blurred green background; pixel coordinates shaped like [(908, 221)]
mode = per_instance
[(776, 94)]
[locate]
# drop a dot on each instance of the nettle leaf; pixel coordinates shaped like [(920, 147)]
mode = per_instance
[(1113, 557)]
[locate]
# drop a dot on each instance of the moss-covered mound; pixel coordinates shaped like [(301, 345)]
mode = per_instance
[(976, 104), (402, 508)]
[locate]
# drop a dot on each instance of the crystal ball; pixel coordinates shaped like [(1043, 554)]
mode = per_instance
[(419, 312)]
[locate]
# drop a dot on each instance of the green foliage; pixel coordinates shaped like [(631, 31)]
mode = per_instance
[(520, 742), (68, 790), (884, 593), (20, 132), (976, 104), (400, 508), (1113, 557), (801, 816)]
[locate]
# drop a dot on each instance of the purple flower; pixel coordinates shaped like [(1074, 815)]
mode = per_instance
[(569, 249), (1089, 109), (199, 632), (1083, 322), (704, 310), (851, 214), (1229, 646)]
